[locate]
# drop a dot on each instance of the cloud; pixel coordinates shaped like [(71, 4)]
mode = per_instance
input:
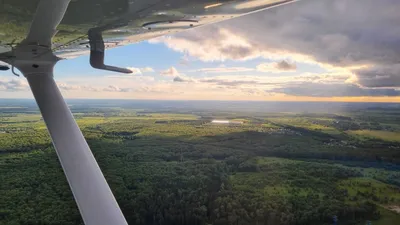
[(184, 61), (277, 67), (309, 84), (14, 85), (335, 33), (72, 87), (333, 90), (225, 70), (67, 87), (182, 79), (147, 70), (379, 76), (285, 66), (229, 82), (135, 71), (210, 44), (113, 88), (324, 78), (171, 72), (87, 88), (125, 77), (140, 71), (219, 43)]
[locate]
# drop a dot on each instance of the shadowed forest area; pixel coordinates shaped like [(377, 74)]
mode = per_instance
[(168, 163)]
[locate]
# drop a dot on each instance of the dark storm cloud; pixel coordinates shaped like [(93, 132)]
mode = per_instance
[(380, 76), (336, 32), (340, 32)]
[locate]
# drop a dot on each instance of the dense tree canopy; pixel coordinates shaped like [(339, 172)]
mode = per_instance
[(286, 169)]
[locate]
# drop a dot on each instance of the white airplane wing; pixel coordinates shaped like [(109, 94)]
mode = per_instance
[(122, 22)]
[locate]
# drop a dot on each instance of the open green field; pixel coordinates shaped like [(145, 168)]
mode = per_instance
[(383, 194), (177, 167), (307, 123), (378, 134)]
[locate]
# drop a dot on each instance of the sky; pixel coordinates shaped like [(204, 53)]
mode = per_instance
[(312, 50)]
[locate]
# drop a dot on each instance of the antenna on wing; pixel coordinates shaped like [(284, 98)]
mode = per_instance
[(97, 52)]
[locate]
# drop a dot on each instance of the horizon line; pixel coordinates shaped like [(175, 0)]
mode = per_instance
[(209, 100)]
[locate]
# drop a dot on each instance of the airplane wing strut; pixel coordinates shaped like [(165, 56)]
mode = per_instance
[(35, 59)]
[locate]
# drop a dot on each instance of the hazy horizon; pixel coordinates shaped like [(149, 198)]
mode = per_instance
[(209, 100), (8, 105)]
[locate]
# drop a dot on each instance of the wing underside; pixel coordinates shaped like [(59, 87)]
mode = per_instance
[(122, 22)]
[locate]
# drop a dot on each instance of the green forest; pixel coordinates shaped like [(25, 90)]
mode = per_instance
[(174, 165)]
